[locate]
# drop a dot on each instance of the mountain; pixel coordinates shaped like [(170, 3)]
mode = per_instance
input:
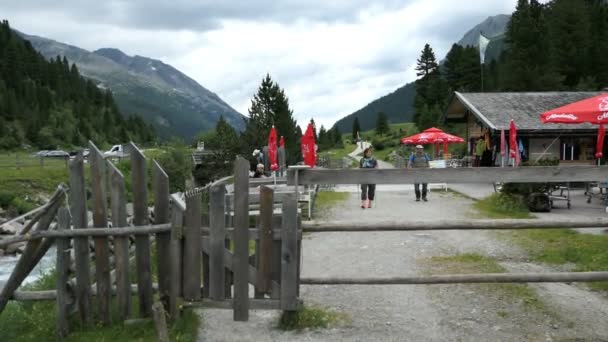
[(175, 104), (399, 105), (395, 105)]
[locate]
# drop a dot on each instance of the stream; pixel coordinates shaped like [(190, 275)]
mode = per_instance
[(7, 263)]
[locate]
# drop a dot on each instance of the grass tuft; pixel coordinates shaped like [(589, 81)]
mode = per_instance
[(500, 205), (310, 318)]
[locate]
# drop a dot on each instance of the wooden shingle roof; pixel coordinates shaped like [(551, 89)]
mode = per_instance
[(496, 110)]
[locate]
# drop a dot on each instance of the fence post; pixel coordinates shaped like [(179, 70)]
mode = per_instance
[(266, 159), (163, 240), (240, 264), (177, 219), (78, 209), (193, 255), (62, 270), (142, 242), (121, 243), (282, 161), (102, 249), (266, 239), (217, 224), (289, 253)]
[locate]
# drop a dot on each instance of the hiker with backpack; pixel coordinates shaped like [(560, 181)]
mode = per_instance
[(419, 160), (368, 191)]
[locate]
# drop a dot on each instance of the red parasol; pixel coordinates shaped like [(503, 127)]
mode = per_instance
[(593, 110), (599, 148), (513, 147), (282, 142), (309, 154), (272, 149), (432, 136)]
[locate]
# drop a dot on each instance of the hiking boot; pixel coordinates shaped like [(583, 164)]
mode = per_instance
[(417, 199), (424, 199)]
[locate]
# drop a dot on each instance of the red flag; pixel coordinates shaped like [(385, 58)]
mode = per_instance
[(599, 148), (272, 149), (282, 142), (503, 143), (513, 147), (309, 153)]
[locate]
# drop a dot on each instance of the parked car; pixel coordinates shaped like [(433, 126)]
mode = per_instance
[(57, 154), (117, 151)]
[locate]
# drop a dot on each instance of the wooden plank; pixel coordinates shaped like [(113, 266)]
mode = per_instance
[(553, 277), (255, 304), (78, 209), (217, 225), (163, 240), (192, 248), (289, 255), (255, 182), (275, 255), (265, 234), (529, 174), (175, 249), (160, 322), (118, 205), (100, 220), (62, 269), (358, 226), (142, 242), (241, 240), (32, 253)]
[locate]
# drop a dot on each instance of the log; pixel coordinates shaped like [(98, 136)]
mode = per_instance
[(62, 270), (163, 240), (140, 218), (563, 277), (160, 322), (78, 210), (241, 240), (121, 243), (359, 226), (100, 220)]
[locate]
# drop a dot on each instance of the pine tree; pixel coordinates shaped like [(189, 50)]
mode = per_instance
[(427, 62), (382, 126), (356, 128)]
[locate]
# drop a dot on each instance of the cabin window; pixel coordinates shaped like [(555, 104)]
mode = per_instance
[(576, 149)]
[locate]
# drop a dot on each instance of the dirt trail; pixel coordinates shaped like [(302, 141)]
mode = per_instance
[(419, 313)]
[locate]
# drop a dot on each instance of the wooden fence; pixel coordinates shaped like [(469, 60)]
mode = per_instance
[(303, 176), (200, 259)]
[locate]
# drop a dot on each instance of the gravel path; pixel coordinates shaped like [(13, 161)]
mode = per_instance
[(419, 313)]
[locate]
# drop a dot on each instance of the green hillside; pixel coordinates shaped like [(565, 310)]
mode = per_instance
[(398, 106), (48, 104)]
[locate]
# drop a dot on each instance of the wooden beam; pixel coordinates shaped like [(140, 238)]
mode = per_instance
[(358, 226), (175, 290), (529, 174), (255, 304), (563, 277), (78, 209), (265, 241), (100, 219), (193, 262), (142, 242), (289, 254), (121, 243), (62, 270), (217, 224), (241, 240), (163, 240)]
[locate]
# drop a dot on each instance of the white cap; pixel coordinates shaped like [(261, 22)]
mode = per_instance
[(419, 146)]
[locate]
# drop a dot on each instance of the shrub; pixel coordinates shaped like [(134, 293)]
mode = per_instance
[(5, 199), (378, 145)]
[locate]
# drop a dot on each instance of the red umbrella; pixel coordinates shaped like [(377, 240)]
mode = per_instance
[(272, 149), (308, 147), (513, 147), (432, 136), (599, 148), (282, 142), (593, 110)]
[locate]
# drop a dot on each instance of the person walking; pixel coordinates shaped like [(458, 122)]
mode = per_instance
[(368, 191), (419, 160)]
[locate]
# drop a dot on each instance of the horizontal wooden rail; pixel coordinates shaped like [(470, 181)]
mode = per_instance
[(565, 277), (32, 296), (358, 226), (254, 304), (529, 174), (84, 232)]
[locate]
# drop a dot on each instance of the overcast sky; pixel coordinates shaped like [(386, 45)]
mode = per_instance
[(332, 57)]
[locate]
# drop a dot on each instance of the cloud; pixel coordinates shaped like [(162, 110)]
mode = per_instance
[(331, 57)]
